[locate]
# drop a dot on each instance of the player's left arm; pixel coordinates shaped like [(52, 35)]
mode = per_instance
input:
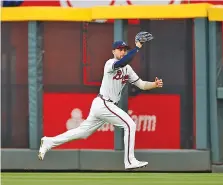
[(146, 85), (143, 85)]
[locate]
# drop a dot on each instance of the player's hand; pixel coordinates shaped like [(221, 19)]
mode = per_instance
[(158, 82), (138, 44)]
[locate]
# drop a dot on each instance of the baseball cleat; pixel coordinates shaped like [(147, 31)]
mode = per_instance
[(44, 147), (135, 165)]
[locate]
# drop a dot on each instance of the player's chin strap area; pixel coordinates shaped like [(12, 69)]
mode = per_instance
[(109, 100)]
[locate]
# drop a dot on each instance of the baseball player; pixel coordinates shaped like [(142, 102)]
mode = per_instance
[(104, 109)]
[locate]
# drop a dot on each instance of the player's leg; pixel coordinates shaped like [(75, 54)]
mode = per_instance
[(114, 115), (86, 128)]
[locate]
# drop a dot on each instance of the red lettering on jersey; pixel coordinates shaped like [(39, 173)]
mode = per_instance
[(120, 76), (125, 79)]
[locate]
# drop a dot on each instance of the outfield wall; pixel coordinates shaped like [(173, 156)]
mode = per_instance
[(159, 160), (107, 160)]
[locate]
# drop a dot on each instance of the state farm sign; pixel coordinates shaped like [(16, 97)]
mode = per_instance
[(157, 118), (145, 123)]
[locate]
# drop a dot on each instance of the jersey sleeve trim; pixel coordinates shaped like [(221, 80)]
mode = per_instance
[(134, 81), (113, 67)]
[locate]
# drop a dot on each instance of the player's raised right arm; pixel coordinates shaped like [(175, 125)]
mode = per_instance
[(127, 58)]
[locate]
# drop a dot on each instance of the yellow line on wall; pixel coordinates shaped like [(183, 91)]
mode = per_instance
[(215, 13), (147, 12), (45, 14), (112, 12)]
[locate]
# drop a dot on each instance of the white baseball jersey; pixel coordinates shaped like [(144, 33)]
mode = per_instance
[(114, 80), (102, 112)]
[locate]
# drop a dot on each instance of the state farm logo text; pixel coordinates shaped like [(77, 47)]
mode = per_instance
[(145, 123)]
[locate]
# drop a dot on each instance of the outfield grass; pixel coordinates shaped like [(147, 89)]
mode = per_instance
[(111, 178)]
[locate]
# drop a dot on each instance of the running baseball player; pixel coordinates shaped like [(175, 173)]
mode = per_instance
[(104, 109)]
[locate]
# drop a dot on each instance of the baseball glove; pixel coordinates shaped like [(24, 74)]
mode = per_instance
[(143, 37)]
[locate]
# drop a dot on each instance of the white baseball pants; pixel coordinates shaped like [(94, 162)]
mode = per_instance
[(102, 112)]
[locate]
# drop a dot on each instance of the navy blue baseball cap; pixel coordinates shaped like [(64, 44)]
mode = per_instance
[(120, 44)]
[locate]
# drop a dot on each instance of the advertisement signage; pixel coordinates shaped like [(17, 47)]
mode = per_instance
[(157, 118)]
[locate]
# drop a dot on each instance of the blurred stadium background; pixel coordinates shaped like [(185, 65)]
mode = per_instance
[(51, 70)]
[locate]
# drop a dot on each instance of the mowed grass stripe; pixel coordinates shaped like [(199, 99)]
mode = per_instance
[(109, 179), (114, 177), (75, 176), (102, 182), (116, 174)]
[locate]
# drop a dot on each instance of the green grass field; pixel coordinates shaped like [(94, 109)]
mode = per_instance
[(111, 178)]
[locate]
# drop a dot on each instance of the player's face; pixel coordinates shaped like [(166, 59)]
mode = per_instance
[(119, 53)]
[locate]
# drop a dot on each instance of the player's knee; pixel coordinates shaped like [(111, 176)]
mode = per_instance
[(85, 135), (133, 126)]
